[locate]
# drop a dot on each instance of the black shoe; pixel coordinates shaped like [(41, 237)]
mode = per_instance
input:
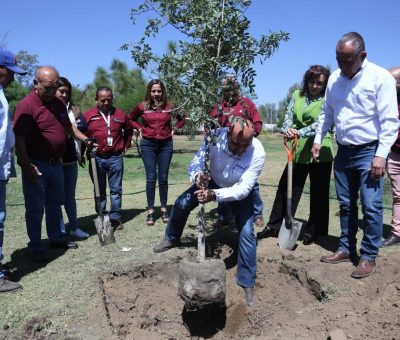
[(164, 245), (150, 219), (8, 286), (117, 224), (391, 240), (308, 239), (267, 232), (164, 216), (64, 245)]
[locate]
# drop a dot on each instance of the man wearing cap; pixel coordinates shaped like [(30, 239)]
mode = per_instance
[(8, 67), (40, 123)]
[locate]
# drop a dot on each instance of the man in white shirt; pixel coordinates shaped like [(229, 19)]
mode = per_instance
[(360, 100), (236, 161), (8, 66)]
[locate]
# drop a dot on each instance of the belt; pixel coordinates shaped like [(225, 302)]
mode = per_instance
[(48, 160), (357, 146), (109, 154)]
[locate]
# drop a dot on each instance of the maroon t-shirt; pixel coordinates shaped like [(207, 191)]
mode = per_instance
[(43, 126), (155, 123), (121, 130), (244, 107)]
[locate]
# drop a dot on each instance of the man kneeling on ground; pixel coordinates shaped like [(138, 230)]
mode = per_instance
[(236, 161)]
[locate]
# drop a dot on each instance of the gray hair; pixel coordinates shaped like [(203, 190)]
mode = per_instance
[(355, 39)]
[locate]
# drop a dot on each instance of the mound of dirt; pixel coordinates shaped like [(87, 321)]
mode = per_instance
[(297, 296)]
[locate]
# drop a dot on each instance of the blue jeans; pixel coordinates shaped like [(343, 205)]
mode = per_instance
[(156, 153), (46, 195), (113, 168), (244, 218), (2, 219), (225, 214), (70, 178), (351, 168)]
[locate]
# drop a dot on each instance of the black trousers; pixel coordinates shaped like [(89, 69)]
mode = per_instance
[(320, 174)]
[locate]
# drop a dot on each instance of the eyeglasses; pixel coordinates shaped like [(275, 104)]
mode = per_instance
[(47, 87)]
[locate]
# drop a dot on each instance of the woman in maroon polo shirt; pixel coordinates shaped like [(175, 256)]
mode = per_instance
[(153, 119)]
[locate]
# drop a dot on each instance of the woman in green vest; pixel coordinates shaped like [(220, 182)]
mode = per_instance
[(301, 120)]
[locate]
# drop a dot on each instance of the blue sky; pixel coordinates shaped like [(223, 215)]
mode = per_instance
[(76, 36)]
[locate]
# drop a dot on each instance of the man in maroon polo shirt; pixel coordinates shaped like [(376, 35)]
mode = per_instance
[(233, 104), (113, 133), (40, 123)]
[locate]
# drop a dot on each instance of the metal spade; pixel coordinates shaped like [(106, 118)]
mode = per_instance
[(290, 228)]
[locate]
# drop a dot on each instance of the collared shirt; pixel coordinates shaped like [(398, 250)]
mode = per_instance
[(7, 139), (42, 125), (244, 107), (120, 130), (155, 123), (363, 108), (235, 175)]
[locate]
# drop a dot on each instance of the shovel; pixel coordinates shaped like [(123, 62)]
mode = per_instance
[(101, 222), (290, 228)]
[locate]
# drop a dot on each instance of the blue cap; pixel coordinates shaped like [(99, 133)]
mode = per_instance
[(8, 60)]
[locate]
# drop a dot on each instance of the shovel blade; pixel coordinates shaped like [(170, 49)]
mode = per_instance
[(104, 230), (287, 237)]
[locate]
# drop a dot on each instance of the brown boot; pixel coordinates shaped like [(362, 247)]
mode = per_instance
[(337, 257), (363, 269)]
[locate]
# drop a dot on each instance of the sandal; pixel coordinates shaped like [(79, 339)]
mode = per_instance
[(164, 216), (150, 219)]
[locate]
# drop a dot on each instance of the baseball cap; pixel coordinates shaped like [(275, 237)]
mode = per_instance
[(8, 60)]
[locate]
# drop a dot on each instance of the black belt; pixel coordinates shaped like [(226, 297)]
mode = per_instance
[(109, 154), (356, 146), (48, 160)]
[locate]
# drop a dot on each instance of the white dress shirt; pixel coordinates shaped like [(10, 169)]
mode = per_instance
[(363, 108), (7, 138), (236, 175)]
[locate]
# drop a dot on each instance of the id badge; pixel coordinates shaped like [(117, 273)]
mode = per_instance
[(109, 141)]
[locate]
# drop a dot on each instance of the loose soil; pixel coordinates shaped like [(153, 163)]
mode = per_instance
[(297, 297)]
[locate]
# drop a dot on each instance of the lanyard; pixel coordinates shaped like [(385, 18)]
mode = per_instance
[(107, 122)]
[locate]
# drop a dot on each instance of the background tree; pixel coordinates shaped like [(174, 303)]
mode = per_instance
[(215, 42), (269, 113), (285, 102), (129, 87)]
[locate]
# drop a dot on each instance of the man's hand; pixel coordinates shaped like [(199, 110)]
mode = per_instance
[(291, 133), (205, 195), (31, 172), (202, 180), (315, 151), (377, 168)]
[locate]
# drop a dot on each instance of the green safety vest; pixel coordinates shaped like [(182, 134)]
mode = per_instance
[(304, 115)]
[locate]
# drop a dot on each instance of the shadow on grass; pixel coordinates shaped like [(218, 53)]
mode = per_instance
[(22, 262)]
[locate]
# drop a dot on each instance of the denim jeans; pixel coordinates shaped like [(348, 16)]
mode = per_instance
[(224, 212), (70, 178), (244, 218), (112, 168), (46, 195), (2, 219), (352, 174), (156, 154)]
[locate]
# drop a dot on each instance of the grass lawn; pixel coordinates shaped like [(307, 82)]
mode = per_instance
[(64, 289)]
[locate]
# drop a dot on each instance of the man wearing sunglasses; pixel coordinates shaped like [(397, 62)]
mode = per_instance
[(40, 123)]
